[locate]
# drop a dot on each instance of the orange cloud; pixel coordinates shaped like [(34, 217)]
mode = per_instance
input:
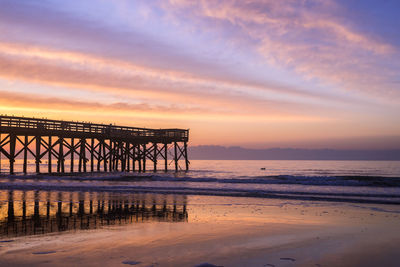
[(82, 71), (13, 101)]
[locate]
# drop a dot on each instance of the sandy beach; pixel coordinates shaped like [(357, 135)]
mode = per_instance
[(182, 133), (226, 231)]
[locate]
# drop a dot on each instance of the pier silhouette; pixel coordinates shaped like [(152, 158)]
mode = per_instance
[(105, 148), (24, 213)]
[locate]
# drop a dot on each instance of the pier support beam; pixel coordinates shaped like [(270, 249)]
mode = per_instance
[(99, 157), (92, 155), (60, 162), (49, 151), (13, 140), (37, 156), (186, 156), (72, 149), (144, 157), (25, 164), (82, 155), (166, 156), (133, 157), (181, 152), (104, 156), (176, 156), (127, 157), (155, 156), (139, 157), (110, 158)]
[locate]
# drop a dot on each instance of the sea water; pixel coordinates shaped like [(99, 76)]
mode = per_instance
[(349, 181)]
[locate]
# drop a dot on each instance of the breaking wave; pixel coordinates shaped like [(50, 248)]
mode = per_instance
[(355, 189), (348, 180)]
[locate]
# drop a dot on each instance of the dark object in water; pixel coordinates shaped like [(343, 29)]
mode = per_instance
[(44, 252), (131, 262), (263, 169), (206, 264), (288, 259)]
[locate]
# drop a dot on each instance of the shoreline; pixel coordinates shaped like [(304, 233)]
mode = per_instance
[(384, 199)]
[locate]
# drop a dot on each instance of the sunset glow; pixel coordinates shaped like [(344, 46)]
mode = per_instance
[(307, 74)]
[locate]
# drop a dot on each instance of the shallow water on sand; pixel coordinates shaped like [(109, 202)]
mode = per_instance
[(49, 228)]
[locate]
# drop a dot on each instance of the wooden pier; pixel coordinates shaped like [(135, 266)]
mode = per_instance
[(95, 147)]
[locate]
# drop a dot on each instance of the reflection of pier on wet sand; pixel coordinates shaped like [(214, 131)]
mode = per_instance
[(34, 212)]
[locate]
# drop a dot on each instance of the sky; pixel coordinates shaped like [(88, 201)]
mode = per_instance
[(251, 73)]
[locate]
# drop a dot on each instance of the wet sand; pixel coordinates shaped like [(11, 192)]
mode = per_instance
[(226, 231)]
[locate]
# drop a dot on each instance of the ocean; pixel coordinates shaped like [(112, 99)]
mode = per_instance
[(340, 181), (220, 213)]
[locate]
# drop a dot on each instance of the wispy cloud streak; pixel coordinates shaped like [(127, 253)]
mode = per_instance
[(70, 69), (310, 37)]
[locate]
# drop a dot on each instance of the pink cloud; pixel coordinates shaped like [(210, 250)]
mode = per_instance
[(309, 37)]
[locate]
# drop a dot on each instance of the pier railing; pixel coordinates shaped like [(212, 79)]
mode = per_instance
[(46, 126)]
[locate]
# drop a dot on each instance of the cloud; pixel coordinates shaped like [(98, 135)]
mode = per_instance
[(310, 37), (125, 79), (37, 24), (282, 70), (32, 102)]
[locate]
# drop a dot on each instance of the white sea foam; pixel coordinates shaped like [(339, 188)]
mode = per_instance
[(348, 180)]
